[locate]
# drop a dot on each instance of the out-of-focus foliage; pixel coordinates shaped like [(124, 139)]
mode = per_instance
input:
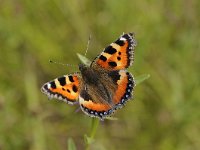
[(165, 112)]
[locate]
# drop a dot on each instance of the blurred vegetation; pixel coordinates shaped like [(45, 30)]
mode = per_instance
[(165, 112)]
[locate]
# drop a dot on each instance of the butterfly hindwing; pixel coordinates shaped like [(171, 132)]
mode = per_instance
[(118, 55), (119, 85), (66, 88), (125, 85), (92, 108)]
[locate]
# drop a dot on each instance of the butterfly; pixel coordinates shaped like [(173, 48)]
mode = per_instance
[(102, 87)]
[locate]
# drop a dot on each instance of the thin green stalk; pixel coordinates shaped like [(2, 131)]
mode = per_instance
[(89, 139), (95, 123)]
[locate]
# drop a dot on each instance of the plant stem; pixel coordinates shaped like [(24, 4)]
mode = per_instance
[(95, 123), (94, 126)]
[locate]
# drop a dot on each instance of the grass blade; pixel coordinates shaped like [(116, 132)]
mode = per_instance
[(141, 78)]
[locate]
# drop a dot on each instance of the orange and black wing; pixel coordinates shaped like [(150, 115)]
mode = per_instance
[(118, 55), (92, 107), (66, 88), (123, 84)]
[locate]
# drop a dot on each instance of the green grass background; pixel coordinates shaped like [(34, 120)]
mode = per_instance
[(165, 112)]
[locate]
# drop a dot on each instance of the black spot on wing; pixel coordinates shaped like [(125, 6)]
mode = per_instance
[(110, 50), (53, 85), (112, 64), (62, 81), (118, 58), (71, 79), (103, 58), (120, 42), (115, 76), (74, 88)]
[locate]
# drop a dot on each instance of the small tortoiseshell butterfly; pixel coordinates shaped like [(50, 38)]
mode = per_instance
[(102, 87)]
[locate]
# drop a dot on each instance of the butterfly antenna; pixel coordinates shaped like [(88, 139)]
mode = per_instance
[(88, 43), (51, 61)]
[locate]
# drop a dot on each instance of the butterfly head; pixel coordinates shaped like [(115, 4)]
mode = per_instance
[(82, 67), (88, 74)]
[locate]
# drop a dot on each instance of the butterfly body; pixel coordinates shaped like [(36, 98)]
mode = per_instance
[(102, 87)]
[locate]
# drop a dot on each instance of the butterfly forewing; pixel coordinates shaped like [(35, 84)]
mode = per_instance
[(118, 55), (66, 88)]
